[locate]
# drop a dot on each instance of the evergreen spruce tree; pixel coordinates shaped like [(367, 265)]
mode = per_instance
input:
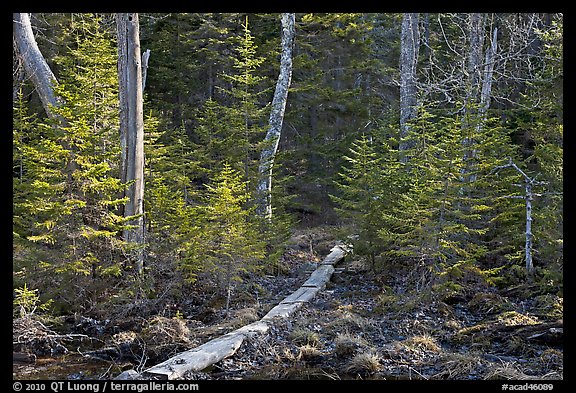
[(361, 197), (231, 245), (545, 127), (232, 128), (73, 171), (427, 219)]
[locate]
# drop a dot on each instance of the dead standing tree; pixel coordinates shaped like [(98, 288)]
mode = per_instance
[(409, 47), (529, 194), (35, 65), (132, 127)]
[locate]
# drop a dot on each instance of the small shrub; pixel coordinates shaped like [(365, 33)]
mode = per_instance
[(27, 301), (549, 305), (448, 292)]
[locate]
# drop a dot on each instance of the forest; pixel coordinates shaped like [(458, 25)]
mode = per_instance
[(334, 196)]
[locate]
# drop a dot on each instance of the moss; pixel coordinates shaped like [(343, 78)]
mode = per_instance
[(514, 318)]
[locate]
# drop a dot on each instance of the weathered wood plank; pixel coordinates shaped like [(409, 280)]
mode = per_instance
[(301, 295), (319, 277), (217, 349), (336, 255), (198, 358), (253, 329), (282, 310)]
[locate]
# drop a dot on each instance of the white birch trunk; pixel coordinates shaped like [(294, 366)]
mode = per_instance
[(528, 245), (409, 45), (486, 93), (35, 65), (528, 197), (130, 79), (272, 139), (473, 92)]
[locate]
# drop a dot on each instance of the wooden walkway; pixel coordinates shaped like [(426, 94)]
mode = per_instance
[(213, 351)]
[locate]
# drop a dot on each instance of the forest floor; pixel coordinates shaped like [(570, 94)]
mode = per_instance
[(364, 325)]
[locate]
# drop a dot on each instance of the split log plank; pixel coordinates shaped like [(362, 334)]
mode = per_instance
[(220, 348), (301, 295), (282, 310), (253, 329), (336, 255), (319, 277), (198, 358)]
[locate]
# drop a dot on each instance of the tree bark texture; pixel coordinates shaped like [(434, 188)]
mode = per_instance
[(529, 236), (528, 197), (35, 65), (132, 127), (473, 94), (409, 45), (276, 117), (474, 64), (486, 93)]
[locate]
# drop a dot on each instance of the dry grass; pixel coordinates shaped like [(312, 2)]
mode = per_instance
[(387, 303), (551, 358), (508, 370), (458, 365), (243, 317), (164, 337), (309, 352), (487, 303), (345, 319), (124, 337), (347, 344), (423, 342), (304, 336), (364, 363)]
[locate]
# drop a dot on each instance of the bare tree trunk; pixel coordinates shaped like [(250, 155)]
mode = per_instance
[(528, 196), (35, 65), (145, 58), (276, 117), (132, 118), (486, 93), (529, 236), (121, 31), (473, 93), (409, 45), (18, 73), (474, 65)]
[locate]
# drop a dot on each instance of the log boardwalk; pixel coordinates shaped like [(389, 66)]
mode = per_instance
[(213, 351)]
